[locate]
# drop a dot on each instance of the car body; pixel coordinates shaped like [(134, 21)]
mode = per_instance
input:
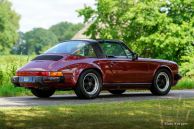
[(108, 64)]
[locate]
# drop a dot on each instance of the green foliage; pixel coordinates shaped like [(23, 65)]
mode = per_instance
[(185, 83), (9, 24), (157, 29), (38, 40), (187, 67), (9, 90), (181, 10), (1, 77), (65, 30), (20, 46), (87, 12), (8, 66)]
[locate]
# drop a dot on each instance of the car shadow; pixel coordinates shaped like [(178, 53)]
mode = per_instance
[(101, 96), (72, 99)]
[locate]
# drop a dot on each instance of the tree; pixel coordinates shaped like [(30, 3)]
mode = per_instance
[(38, 40), (20, 46), (65, 30), (157, 29), (9, 24)]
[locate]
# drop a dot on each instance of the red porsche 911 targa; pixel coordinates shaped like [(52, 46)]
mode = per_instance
[(89, 66)]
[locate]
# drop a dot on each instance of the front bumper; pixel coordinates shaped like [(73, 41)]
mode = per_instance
[(40, 80), (177, 77)]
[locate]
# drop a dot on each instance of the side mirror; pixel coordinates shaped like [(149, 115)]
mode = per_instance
[(135, 56)]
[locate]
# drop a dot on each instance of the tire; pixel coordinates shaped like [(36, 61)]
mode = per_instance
[(117, 92), (89, 84), (46, 93), (162, 82)]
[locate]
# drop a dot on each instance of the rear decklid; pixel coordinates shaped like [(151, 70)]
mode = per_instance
[(44, 62)]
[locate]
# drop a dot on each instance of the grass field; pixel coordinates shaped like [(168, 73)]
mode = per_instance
[(10, 63), (185, 83), (149, 114), (8, 66)]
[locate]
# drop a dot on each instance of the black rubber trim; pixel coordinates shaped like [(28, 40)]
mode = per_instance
[(39, 79), (15, 81), (98, 50)]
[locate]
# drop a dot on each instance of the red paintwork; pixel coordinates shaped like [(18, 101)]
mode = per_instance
[(114, 70)]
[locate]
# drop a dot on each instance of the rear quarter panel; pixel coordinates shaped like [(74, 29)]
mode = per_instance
[(73, 68)]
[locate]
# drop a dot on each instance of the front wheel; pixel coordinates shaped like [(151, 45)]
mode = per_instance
[(89, 84), (162, 82), (43, 93)]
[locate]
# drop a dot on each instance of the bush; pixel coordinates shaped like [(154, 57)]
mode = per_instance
[(9, 65), (1, 77), (185, 83), (187, 67)]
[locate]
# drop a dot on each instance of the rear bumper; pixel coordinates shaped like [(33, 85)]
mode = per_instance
[(36, 80)]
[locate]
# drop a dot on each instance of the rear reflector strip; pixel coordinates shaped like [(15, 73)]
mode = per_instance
[(32, 73)]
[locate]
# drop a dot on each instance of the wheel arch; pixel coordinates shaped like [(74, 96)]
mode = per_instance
[(166, 68), (80, 89), (92, 68), (154, 89)]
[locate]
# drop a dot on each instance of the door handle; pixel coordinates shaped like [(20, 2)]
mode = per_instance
[(112, 63)]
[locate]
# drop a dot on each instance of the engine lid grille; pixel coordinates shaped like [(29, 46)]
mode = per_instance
[(48, 57)]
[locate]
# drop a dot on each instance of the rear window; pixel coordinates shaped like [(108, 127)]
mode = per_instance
[(73, 47)]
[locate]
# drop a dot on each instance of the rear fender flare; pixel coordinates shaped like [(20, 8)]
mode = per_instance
[(80, 69)]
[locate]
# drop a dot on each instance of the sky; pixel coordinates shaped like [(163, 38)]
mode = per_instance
[(45, 13)]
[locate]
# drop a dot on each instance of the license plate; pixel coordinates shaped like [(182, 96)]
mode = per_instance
[(26, 79)]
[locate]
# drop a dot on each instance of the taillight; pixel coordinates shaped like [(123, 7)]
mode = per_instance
[(28, 73), (51, 74), (56, 74)]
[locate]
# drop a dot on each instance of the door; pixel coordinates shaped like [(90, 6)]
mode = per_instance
[(124, 69)]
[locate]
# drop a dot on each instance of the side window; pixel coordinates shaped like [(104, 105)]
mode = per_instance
[(113, 50), (87, 51), (127, 51)]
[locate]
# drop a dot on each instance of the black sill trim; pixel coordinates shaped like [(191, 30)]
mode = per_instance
[(126, 84)]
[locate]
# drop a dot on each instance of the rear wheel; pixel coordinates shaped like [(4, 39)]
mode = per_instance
[(162, 82), (43, 93), (117, 92), (89, 84)]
